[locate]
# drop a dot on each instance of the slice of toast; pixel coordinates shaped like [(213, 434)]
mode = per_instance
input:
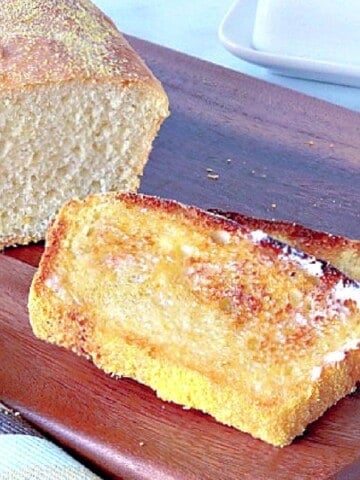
[(209, 313), (343, 253)]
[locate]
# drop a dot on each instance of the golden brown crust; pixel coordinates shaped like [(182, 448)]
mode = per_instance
[(61, 40), (209, 313), (342, 252)]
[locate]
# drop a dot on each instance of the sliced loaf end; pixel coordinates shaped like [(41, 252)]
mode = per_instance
[(79, 110)]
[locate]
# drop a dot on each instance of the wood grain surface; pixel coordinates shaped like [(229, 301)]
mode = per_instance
[(291, 157)]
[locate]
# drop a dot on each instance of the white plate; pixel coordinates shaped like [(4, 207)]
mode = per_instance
[(236, 34)]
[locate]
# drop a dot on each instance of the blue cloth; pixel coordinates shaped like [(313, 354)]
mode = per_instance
[(26, 455), (191, 27)]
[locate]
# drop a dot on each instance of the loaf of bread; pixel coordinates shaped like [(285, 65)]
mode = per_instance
[(343, 253), (208, 312), (78, 111)]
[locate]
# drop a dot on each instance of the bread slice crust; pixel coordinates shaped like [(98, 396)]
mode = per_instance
[(171, 310)]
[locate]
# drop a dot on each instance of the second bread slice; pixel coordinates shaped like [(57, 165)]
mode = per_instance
[(343, 253), (209, 313)]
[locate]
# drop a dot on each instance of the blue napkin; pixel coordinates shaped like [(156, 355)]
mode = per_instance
[(26, 455)]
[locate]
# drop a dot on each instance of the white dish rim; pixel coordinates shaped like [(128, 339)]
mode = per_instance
[(283, 64)]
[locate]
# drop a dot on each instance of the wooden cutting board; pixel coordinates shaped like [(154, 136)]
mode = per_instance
[(278, 154)]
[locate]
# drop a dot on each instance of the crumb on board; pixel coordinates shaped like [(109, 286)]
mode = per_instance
[(273, 205), (213, 175), (258, 175), (8, 411), (141, 444), (311, 143)]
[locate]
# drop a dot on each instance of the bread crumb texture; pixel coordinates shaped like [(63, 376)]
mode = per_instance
[(79, 111), (210, 314)]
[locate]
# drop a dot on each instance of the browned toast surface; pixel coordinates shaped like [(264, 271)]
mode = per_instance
[(208, 312)]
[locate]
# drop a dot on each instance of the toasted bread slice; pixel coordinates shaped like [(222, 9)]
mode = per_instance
[(209, 313), (343, 253)]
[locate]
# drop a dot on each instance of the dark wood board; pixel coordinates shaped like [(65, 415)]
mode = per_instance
[(286, 149), (292, 157)]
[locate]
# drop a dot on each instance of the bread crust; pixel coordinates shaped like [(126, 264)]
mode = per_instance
[(274, 416), (63, 40)]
